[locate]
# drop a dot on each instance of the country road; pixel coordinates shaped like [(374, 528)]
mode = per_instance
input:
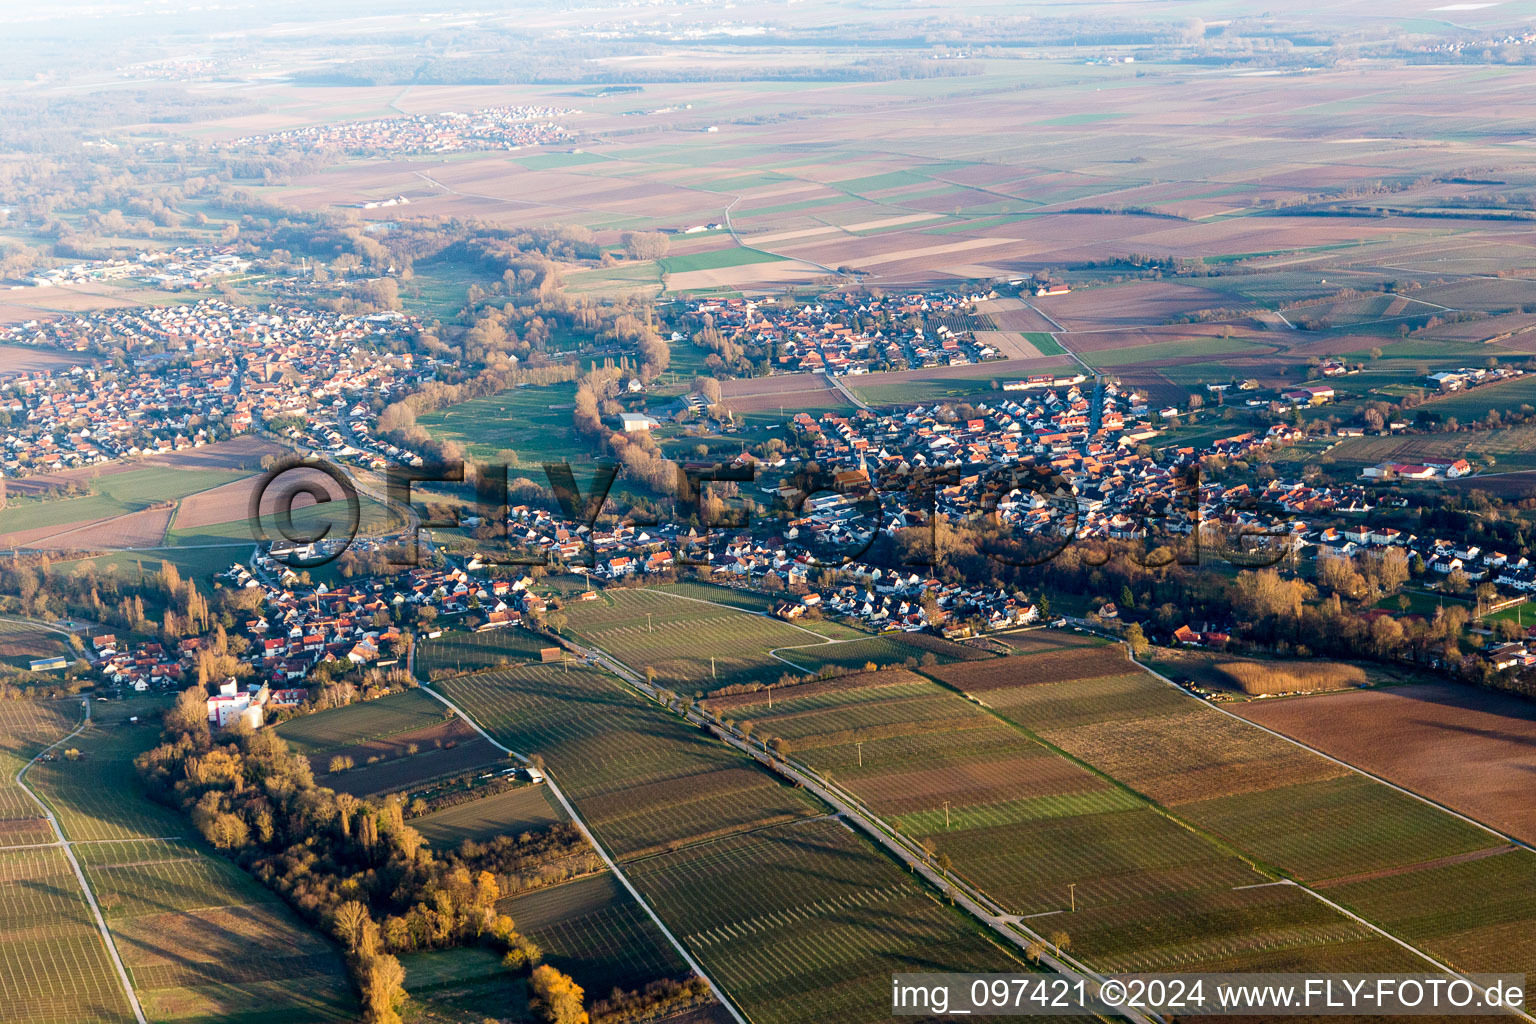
[(983, 908), (69, 854), (576, 819)]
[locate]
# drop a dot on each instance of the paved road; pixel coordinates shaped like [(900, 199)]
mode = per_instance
[(69, 853), (981, 906), (845, 390), (549, 781)]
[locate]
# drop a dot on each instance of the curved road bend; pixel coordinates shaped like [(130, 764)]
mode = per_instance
[(69, 853)]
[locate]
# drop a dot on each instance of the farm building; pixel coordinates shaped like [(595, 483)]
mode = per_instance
[(631, 422)]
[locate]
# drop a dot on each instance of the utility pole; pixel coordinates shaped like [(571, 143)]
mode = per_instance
[(712, 668), (648, 627), (1072, 895), (946, 814)]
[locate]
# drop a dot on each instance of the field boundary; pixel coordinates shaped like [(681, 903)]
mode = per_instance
[(69, 853), (576, 819), (1342, 763), (981, 906), (1407, 792)]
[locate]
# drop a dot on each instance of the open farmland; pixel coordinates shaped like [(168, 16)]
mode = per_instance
[(533, 423), (1024, 824), (53, 963), (1122, 802), (1473, 913), (26, 727), (641, 783), (1463, 747), (21, 642), (592, 929), (690, 645), (507, 813), (648, 785), (116, 494), (391, 745), (777, 398), (887, 649), (470, 652), (390, 715), (803, 922), (199, 938), (1270, 799), (1054, 666)]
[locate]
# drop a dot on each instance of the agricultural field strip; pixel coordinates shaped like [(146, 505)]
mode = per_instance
[(74, 863), (977, 903), (1351, 768), (1394, 939), (577, 820), (1323, 899), (615, 629), (747, 611)]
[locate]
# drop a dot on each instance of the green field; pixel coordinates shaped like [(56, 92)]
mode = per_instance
[(467, 983), (881, 389), (593, 930), (219, 544), (508, 813), (545, 161), (1158, 817), (21, 642), (775, 905), (755, 602), (717, 259), (639, 791), (439, 287), (114, 494), (1472, 915), (620, 279), (356, 723), (1044, 342), (804, 922), (690, 645), (471, 652), (1475, 404), (26, 727), (889, 649), (1245, 790), (533, 422), (1159, 351), (53, 964)]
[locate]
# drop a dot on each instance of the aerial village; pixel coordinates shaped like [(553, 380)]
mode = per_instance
[(504, 127), (205, 372), (196, 374)]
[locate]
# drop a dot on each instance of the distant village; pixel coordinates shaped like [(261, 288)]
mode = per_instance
[(907, 331), (184, 268), (504, 127)]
